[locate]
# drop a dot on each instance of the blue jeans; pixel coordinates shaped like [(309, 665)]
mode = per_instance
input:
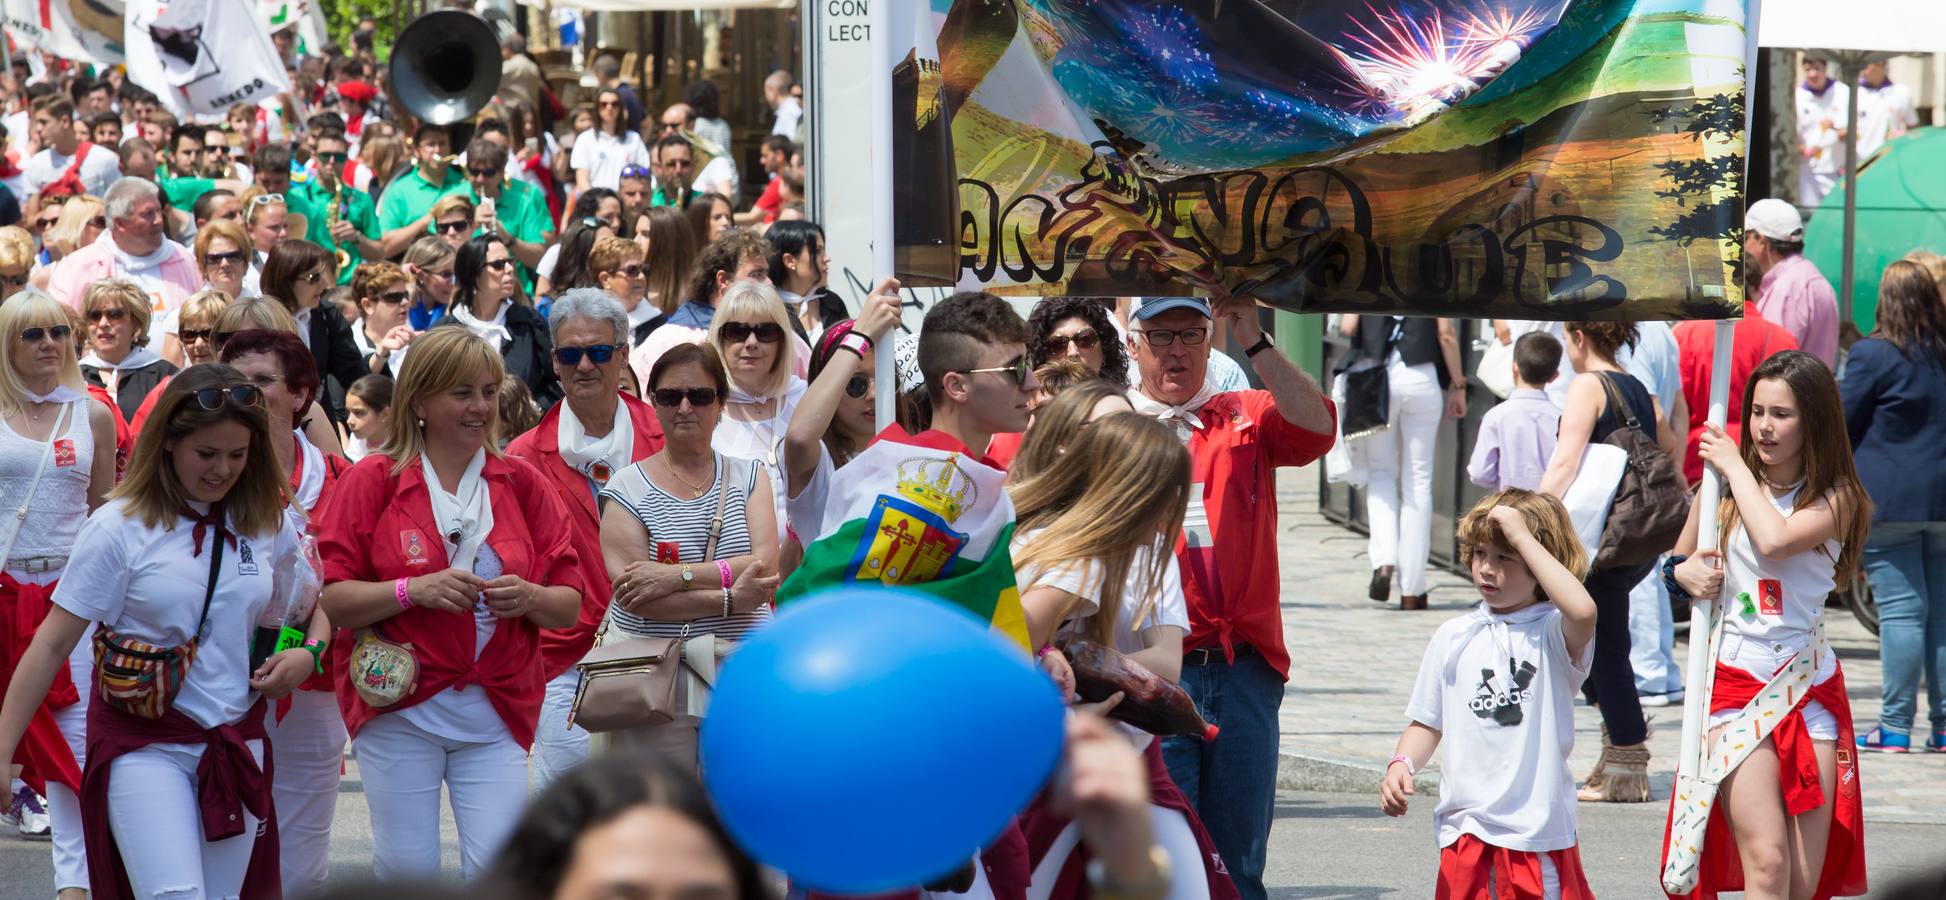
[(1231, 782), (1906, 562)]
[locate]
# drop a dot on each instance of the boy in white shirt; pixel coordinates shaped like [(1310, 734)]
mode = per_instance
[(1497, 687)]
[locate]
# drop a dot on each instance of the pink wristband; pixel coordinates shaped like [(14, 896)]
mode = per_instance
[(398, 590), (1402, 758), (723, 568), (1044, 651)]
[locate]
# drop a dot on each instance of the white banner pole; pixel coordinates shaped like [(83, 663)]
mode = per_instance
[(883, 259), (1695, 702)]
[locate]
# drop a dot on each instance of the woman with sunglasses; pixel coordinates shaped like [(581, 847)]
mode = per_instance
[(194, 341), (119, 358), (430, 263), (601, 152), (82, 219), (656, 529), (296, 274), (438, 542), (484, 304), (187, 555), (836, 417), (452, 220), (593, 433), (749, 331), (1078, 327), (306, 728), (382, 331), (225, 256), (44, 400)]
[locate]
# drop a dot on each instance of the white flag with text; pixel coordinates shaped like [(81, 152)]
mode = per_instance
[(202, 56)]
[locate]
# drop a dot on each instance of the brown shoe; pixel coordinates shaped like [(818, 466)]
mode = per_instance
[(1412, 601)]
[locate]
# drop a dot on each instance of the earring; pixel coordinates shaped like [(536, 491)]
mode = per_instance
[(422, 423)]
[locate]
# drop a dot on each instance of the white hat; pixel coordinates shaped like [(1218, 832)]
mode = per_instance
[(1774, 219)]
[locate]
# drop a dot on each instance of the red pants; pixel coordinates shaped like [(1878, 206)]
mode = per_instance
[(1472, 869)]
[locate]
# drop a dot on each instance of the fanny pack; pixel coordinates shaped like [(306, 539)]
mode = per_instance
[(140, 678), (383, 672)]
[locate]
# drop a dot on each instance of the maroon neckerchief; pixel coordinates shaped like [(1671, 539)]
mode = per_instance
[(206, 521)]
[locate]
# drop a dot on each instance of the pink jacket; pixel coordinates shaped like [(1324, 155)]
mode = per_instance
[(92, 263)]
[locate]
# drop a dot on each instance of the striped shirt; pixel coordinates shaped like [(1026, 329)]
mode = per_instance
[(685, 523)]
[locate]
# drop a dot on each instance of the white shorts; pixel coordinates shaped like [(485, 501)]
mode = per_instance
[(1822, 725)]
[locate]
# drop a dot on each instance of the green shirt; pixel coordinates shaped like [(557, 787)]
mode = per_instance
[(522, 211), (183, 192), (661, 198), (357, 208), (411, 196)]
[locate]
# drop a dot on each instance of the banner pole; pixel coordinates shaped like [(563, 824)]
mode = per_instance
[(1695, 703), (884, 261)]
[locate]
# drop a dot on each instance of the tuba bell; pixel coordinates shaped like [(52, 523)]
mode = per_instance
[(445, 66)]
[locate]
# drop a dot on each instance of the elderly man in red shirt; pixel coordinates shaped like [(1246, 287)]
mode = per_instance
[(1234, 661)]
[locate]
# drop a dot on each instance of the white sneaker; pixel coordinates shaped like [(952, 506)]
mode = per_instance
[(1673, 698), (29, 813)]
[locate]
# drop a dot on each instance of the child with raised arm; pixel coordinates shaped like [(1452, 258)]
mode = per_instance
[(1497, 686)]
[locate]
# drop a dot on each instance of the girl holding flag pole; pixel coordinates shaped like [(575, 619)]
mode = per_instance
[(1780, 724)]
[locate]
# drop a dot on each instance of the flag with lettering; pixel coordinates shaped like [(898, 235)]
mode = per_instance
[(201, 57), (914, 512), (88, 31), (1531, 159)]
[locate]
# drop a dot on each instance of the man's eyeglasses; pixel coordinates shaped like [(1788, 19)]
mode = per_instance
[(395, 297), (36, 334), (237, 395), (1163, 337), (599, 354), (1058, 344), (1019, 371), (738, 332), (499, 265), (453, 227), (857, 386), (673, 397), (112, 314), (226, 258), (192, 335)]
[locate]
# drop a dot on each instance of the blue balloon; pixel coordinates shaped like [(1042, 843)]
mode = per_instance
[(870, 739)]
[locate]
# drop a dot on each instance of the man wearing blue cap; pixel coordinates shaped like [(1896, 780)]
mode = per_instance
[(1234, 661)]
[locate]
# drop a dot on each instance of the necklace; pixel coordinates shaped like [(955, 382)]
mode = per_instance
[(698, 491), (1782, 488)]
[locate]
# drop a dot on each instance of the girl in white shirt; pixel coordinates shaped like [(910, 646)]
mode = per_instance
[(751, 332), (1793, 524), (601, 152), (1496, 688)]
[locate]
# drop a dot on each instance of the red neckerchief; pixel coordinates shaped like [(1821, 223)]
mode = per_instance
[(205, 521)]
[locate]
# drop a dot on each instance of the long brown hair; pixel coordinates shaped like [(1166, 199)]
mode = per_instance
[(1121, 486), (255, 503), (1911, 314), (1056, 423), (672, 250), (1828, 467)]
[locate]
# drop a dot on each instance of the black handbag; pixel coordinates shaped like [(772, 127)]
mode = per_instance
[(1368, 398)]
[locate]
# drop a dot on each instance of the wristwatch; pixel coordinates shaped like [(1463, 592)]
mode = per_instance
[(1263, 343), (687, 576)]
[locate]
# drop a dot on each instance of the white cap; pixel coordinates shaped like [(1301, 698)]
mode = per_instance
[(1774, 219)]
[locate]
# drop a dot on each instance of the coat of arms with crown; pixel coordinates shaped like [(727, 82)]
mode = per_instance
[(909, 537)]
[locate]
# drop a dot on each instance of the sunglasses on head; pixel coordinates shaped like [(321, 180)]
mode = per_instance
[(499, 265), (453, 227), (599, 354), (227, 257), (244, 395), (1019, 371), (112, 314), (266, 199), (738, 332), (1058, 343), (673, 397), (192, 335), (34, 335), (637, 172)]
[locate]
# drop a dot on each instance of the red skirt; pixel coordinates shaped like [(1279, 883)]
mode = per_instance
[(1472, 869), (43, 754), (1042, 826)]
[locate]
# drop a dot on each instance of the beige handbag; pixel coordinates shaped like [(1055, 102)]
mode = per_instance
[(383, 672), (638, 685)]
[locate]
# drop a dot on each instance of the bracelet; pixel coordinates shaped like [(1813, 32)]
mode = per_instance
[(723, 568), (399, 591), (1410, 770), (316, 647), (1044, 651), (869, 343), (1669, 577)]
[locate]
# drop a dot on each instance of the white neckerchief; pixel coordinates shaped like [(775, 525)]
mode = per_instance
[(1483, 618), (61, 394), (128, 263), (310, 482), (303, 319), (493, 330), (364, 342), (597, 458), (643, 312), (356, 448), (137, 358), (1182, 416), (466, 513)]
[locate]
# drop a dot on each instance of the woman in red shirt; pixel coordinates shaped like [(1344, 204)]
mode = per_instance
[(458, 557)]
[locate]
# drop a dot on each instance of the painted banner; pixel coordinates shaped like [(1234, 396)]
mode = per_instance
[(87, 31), (201, 57), (1530, 159)]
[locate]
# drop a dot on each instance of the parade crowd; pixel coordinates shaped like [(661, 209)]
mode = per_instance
[(326, 431)]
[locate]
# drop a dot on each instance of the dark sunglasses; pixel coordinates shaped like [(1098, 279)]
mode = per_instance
[(499, 265), (632, 270), (599, 354), (857, 386), (608, 103), (237, 394), (34, 335), (1019, 371), (673, 397), (46, 222), (1058, 344), (738, 332), (312, 277), (14, 280), (112, 314), (334, 158), (99, 221), (395, 297), (482, 173), (453, 227), (1163, 337), (224, 259), (192, 335)]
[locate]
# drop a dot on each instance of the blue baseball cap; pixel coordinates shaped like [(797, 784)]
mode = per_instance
[(1151, 307)]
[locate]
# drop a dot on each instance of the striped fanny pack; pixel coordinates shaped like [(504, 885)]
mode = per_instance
[(140, 678)]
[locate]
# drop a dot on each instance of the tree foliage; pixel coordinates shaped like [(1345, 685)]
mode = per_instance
[(1719, 216)]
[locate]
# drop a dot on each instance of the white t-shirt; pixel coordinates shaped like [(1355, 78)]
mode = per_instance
[(788, 113), (148, 585), (98, 171), (763, 441), (548, 261), (605, 155), (804, 513), (1084, 580), (1883, 112), (1500, 690), (1825, 142)]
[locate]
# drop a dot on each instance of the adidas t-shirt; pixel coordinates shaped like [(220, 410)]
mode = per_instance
[(1500, 690)]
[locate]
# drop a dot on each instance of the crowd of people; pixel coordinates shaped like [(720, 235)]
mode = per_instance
[(323, 437)]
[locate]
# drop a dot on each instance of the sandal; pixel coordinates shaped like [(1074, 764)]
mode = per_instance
[(1621, 775)]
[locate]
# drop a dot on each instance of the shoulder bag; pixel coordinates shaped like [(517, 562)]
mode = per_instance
[(143, 679), (1651, 503)]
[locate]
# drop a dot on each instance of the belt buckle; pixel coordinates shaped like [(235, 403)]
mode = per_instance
[(37, 565)]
